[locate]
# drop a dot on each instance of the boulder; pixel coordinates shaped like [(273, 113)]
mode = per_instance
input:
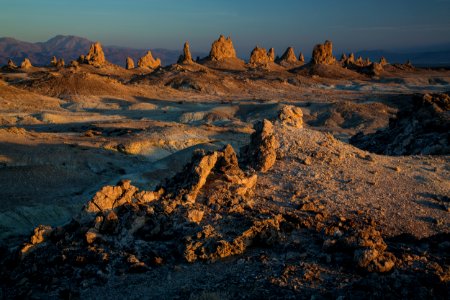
[(147, 61), (290, 115), (129, 63), (323, 54), (186, 57), (259, 56), (26, 64), (222, 49)]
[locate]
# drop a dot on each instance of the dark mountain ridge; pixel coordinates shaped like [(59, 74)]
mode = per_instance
[(71, 47)]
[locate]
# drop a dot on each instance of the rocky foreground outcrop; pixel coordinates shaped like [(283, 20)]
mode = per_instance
[(420, 129), (95, 56), (222, 49), (323, 54), (148, 61), (186, 57)]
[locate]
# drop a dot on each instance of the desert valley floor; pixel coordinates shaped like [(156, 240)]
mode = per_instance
[(120, 182)]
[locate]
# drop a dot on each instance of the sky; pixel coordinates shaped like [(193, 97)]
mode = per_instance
[(351, 24)]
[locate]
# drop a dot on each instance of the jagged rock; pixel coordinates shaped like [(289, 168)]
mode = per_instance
[(367, 62), (261, 153), (74, 64), (221, 49), (351, 58), (290, 115), (420, 129), (359, 61), (186, 57), (129, 63), (26, 64), (366, 245), (288, 56), (95, 56), (147, 61), (301, 57), (11, 64), (40, 235), (323, 54), (383, 61), (54, 61), (259, 56), (344, 58), (271, 54)]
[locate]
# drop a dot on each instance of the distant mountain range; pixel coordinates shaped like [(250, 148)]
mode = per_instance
[(425, 58), (71, 47)]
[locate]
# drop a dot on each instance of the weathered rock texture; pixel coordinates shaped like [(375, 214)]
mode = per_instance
[(261, 154), (147, 61), (289, 56), (186, 57), (222, 49), (420, 129), (129, 64), (290, 115), (323, 54), (259, 56), (95, 56), (26, 64)]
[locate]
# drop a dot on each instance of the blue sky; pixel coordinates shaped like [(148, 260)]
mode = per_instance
[(350, 24)]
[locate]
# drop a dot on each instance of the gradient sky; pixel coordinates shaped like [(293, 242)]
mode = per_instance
[(350, 24)]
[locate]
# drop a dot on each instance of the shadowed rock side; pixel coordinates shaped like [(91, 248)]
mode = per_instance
[(222, 49), (129, 64), (288, 56), (422, 129), (261, 153), (271, 54), (323, 54), (95, 56), (186, 57), (148, 62)]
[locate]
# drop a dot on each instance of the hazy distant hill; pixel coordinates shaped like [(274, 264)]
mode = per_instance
[(71, 47), (423, 58)]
